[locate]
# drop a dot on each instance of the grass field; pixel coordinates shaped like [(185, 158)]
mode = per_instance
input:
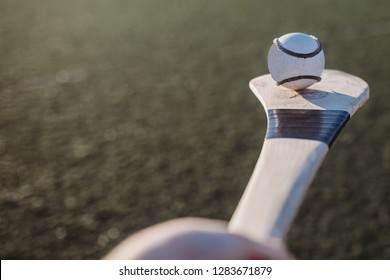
[(116, 115)]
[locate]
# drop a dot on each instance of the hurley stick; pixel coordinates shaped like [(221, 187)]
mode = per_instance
[(301, 127)]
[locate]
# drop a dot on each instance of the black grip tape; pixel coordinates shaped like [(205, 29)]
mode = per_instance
[(320, 125)]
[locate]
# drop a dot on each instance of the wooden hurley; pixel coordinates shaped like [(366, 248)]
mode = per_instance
[(302, 125)]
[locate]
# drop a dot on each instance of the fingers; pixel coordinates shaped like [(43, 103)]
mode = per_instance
[(193, 238)]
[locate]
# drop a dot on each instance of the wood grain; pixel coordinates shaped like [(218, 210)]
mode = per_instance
[(337, 91)]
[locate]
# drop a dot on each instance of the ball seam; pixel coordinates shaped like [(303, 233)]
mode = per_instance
[(301, 55), (296, 78)]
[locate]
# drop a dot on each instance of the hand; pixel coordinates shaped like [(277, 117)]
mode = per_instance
[(193, 238)]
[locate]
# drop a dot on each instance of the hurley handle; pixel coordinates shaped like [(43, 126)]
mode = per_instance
[(282, 174)]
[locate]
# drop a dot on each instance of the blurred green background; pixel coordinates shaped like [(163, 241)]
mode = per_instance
[(116, 115)]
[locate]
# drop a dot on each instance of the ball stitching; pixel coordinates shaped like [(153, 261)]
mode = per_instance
[(301, 55), (296, 78)]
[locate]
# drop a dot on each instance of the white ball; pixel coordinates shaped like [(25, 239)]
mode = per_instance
[(296, 60)]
